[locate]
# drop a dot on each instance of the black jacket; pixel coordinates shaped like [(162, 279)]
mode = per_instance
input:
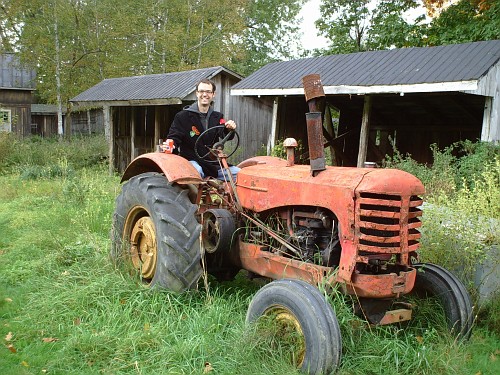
[(185, 130)]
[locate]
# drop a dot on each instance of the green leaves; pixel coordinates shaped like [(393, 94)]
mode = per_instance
[(354, 26)]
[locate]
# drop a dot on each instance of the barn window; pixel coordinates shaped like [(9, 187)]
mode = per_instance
[(5, 120)]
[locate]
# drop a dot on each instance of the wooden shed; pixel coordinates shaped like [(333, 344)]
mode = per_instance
[(406, 98), (44, 120), (138, 110), (16, 87)]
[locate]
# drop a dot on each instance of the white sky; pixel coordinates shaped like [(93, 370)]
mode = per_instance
[(310, 13)]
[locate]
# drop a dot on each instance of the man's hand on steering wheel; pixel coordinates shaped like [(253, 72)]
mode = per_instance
[(209, 149), (230, 125)]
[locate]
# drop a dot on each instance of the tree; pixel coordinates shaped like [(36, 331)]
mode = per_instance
[(354, 26), (466, 21), (271, 33), (74, 44), (390, 28)]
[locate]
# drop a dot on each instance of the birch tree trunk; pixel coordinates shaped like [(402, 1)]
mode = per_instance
[(60, 129)]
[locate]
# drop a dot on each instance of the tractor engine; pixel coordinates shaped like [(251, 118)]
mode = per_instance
[(311, 235)]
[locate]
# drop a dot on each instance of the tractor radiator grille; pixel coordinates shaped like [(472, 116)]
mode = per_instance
[(387, 223)]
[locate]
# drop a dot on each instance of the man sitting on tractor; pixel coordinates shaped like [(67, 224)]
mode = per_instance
[(193, 121)]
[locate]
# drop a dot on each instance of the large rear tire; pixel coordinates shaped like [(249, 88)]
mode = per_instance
[(436, 282), (301, 314), (156, 232)]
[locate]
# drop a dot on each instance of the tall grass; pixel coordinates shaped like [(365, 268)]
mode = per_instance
[(64, 309)]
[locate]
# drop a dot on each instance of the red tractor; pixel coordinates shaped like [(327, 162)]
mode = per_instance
[(301, 226)]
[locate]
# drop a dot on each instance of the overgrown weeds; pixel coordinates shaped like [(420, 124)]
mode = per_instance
[(65, 309)]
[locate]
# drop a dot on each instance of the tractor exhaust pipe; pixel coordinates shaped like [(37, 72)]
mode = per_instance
[(313, 90)]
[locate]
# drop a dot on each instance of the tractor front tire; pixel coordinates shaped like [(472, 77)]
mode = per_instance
[(436, 282), (298, 312), (155, 231)]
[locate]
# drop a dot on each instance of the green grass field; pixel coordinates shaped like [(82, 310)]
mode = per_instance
[(64, 308)]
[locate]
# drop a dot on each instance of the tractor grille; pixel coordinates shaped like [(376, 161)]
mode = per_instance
[(387, 223)]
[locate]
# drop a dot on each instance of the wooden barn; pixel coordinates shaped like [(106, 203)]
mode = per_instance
[(138, 111), (16, 87), (405, 98)]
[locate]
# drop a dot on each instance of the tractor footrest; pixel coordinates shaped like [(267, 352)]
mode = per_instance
[(395, 316)]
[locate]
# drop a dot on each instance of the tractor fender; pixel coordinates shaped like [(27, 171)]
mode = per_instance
[(174, 167)]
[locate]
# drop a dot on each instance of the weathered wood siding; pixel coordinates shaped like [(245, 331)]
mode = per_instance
[(44, 125), (87, 122), (490, 87), (253, 117), (19, 103), (134, 130)]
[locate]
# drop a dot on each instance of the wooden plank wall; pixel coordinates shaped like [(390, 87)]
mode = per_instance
[(254, 119), (19, 102), (87, 122)]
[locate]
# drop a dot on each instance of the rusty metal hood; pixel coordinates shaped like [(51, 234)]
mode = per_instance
[(267, 183)]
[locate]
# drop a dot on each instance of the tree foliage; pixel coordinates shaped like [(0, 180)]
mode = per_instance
[(365, 25), (353, 26), (86, 41), (271, 33), (466, 21)]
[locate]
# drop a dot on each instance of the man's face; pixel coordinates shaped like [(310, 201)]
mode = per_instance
[(204, 94)]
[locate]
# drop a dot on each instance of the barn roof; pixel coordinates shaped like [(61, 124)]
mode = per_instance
[(13, 75), (455, 67), (149, 87)]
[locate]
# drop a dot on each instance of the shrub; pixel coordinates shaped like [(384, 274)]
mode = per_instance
[(34, 152), (7, 147)]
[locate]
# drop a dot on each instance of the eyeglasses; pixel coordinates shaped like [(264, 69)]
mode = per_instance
[(205, 92)]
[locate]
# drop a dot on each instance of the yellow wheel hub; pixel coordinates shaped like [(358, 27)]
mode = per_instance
[(289, 333), (143, 250)]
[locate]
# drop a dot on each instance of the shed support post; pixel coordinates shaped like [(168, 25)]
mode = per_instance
[(89, 124), (157, 127), (365, 130), (274, 123), (132, 133), (109, 135)]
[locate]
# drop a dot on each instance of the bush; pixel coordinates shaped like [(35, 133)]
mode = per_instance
[(31, 153), (7, 147)]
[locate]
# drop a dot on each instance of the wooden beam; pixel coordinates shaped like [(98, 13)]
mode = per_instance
[(157, 127), (365, 129), (89, 124), (274, 123), (110, 136), (132, 133)]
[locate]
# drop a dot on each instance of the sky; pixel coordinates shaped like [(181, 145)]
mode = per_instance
[(310, 13)]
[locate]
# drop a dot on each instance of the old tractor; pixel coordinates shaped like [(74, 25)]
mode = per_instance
[(298, 226)]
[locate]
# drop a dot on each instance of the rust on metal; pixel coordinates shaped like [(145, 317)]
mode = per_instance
[(290, 144), (313, 88), (396, 316), (315, 141), (275, 266), (389, 285), (313, 91)]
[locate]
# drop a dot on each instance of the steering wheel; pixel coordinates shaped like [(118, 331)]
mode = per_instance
[(209, 145)]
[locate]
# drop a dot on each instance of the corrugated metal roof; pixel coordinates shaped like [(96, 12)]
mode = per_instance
[(405, 66), (154, 86), (13, 76), (44, 109)]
